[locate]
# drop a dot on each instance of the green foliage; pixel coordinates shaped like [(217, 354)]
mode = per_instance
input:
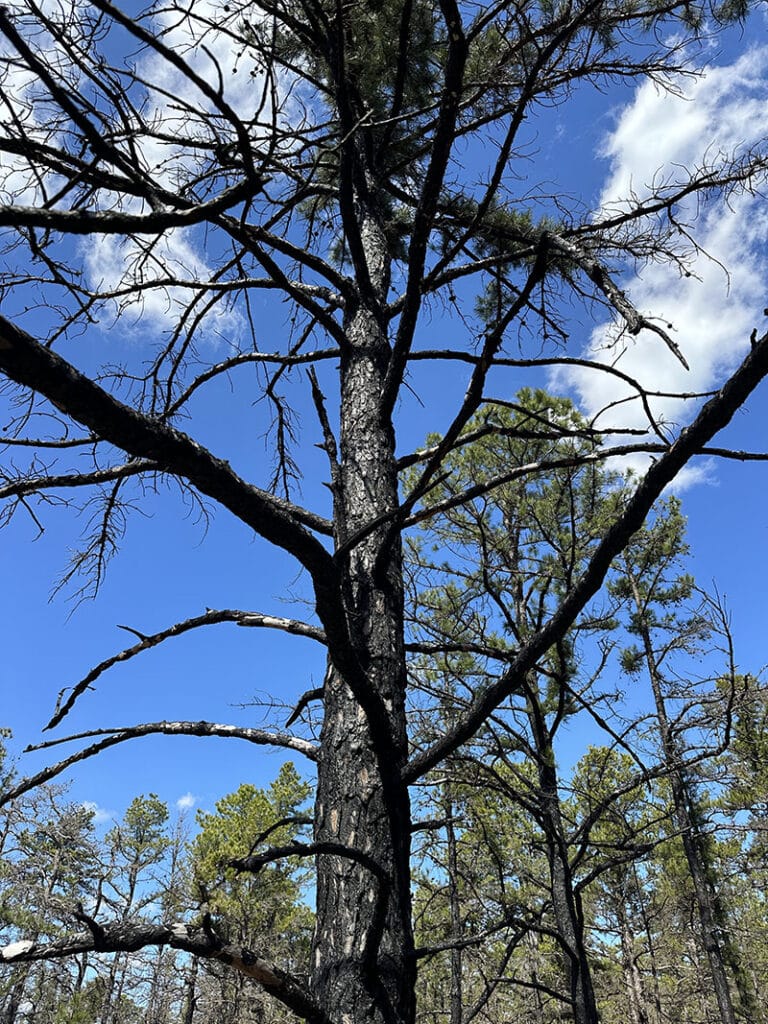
[(491, 566), (142, 838), (265, 907)]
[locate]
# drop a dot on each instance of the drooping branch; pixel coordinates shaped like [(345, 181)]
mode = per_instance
[(211, 617), (714, 415), (599, 276), (112, 737), (129, 936)]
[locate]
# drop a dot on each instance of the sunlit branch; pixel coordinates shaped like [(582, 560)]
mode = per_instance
[(117, 222), (261, 737), (43, 442), (128, 936)]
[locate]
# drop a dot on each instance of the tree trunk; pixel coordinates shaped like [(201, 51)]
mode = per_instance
[(16, 995), (363, 966), (569, 920), (454, 899), (570, 925), (632, 978), (190, 992), (711, 913)]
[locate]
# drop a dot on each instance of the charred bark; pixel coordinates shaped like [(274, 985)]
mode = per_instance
[(363, 967)]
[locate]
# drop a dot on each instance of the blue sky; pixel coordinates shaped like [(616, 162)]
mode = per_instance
[(173, 565)]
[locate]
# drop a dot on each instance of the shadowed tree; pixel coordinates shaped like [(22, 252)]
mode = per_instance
[(335, 183)]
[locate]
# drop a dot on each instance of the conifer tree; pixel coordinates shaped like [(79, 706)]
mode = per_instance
[(335, 186)]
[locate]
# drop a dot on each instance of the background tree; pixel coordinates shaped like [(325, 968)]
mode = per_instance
[(260, 904), (492, 569), (657, 592), (337, 186)]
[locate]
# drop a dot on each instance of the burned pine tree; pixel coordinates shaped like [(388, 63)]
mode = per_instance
[(334, 182)]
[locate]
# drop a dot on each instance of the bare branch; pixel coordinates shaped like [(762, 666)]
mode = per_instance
[(128, 937), (261, 737), (31, 364), (597, 273), (32, 485), (211, 617)]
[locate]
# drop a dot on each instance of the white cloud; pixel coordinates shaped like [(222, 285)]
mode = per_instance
[(658, 139), (100, 815), (186, 802), (138, 274), (206, 38)]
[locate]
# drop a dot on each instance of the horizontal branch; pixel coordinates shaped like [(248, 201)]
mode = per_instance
[(253, 863), (46, 442), (568, 462), (117, 222), (33, 484), (128, 937), (261, 737), (211, 617), (250, 358), (641, 394)]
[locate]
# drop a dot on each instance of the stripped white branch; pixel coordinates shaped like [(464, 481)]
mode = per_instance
[(112, 737)]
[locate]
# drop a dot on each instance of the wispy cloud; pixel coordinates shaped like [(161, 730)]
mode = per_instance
[(139, 274), (186, 802), (657, 140)]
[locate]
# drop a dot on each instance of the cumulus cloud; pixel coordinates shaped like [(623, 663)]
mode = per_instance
[(186, 802), (140, 279), (658, 139), (100, 815)]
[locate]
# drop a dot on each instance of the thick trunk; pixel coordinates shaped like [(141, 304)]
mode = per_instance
[(363, 965)]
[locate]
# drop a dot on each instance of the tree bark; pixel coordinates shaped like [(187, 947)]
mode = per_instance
[(363, 968), (570, 924), (568, 918), (632, 979)]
